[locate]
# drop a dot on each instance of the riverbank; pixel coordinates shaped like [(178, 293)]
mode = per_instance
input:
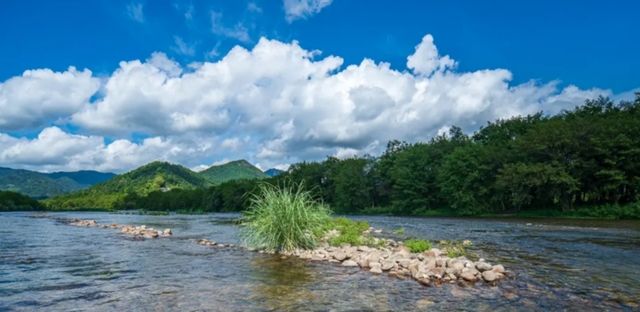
[(603, 212)]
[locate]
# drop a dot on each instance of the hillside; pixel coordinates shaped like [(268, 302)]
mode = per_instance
[(155, 176), (35, 184), (84, 177), (234, 170), (42, 185), (12, 201)]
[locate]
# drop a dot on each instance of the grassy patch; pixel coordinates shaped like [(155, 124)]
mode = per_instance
[(453, 249), (417, 245), (284, 218)]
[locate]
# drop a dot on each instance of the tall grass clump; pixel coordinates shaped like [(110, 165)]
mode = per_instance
[(283, 218)]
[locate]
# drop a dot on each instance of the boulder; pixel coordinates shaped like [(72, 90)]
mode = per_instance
[(491, 276), (498, 268), (388, 265), (340, 256), (376, 268), (483, 266), (349, 263), (404, 262), (433, 252), (468, 276)]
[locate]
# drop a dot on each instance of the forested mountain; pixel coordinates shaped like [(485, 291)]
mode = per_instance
[(155, 176), (42, 185), (84, 177), (234, 170)]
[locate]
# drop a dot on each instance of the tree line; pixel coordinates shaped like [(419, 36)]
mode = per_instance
[(579, 159)]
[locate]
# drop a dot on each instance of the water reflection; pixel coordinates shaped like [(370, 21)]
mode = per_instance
[(281, 284)]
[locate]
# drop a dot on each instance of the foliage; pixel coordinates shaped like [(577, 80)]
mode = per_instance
[(417, 245), (234, 170), (350, 232), (12, 201), (114, 193), (453, 249), (284, 218)]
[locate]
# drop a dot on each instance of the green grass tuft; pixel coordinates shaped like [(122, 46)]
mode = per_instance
[(284, 218), (417, 245)]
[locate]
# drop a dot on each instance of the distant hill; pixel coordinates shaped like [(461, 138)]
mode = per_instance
[(36, 184), (155, 176), (12, 201), (84, 177), (234, 170), (42, 185), (273, 172)]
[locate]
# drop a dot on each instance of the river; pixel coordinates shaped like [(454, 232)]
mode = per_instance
[(574, 265)]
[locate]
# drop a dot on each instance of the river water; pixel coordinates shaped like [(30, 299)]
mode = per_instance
[(557, 265)]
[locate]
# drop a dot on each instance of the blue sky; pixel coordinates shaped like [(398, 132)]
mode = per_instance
[(587, 43), (519, 56)]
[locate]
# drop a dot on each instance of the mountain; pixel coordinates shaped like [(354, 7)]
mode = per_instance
[(42, 185), (35, 184), (155, 176), (234, 170), (84, 177), (273, 172)]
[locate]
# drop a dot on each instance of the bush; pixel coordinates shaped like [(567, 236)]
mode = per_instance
[(350, 232), (417, 245), (284, 218)]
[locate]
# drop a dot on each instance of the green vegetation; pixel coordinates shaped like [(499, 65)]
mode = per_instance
[(454, 249), (114, 193), (350, 232), (284, 218), (580, 163), (11, 201), (417, 245), (35, 184), (234, 170), (43, 185)]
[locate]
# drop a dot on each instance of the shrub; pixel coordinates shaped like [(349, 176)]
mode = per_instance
[(417, 245), (350, 232), (284, 218)]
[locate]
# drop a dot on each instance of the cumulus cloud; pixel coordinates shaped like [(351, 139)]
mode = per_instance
[(41, 96), (279, 103), (426, 59), (301, 9), (54, 149)]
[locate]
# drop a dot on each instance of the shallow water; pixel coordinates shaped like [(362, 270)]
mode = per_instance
[(557, 265)]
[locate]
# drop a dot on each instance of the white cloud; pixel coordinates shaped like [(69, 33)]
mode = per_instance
[(135, 12), (426, 59), (238, 31), (301, 9), (279, 103), (41, 96)]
